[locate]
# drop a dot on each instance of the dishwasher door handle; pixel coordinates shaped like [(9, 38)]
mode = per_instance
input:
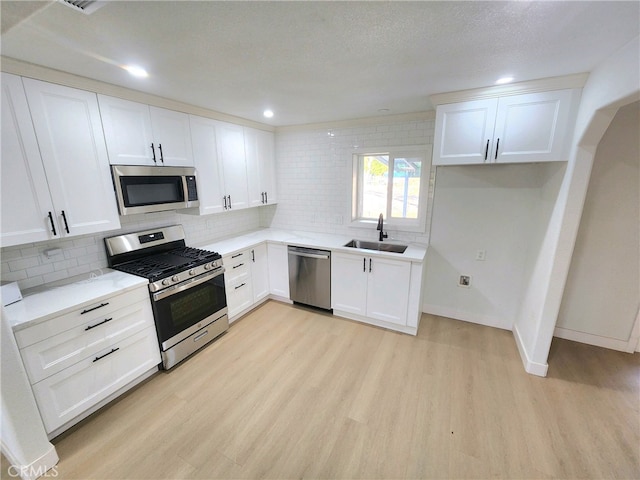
[(310, 255), (302, 253)]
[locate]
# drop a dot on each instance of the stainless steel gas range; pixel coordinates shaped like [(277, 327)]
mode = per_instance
[(186, 286)]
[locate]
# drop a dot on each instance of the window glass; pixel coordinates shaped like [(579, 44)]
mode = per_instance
[(405, 193), (375, 174)]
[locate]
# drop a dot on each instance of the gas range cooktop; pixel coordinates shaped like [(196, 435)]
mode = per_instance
[(159, 255)]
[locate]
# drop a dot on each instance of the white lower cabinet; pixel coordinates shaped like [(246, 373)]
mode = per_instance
[(278, 270), (67, 394), (76, 360), (259, 272), (237, 280), (374, 288)]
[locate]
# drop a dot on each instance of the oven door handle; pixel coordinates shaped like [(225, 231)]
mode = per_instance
[(187, 284)]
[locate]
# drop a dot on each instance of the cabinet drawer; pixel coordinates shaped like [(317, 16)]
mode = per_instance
[(236, 269), (67, 394), (239, 297), (52, 355), (84, 315)]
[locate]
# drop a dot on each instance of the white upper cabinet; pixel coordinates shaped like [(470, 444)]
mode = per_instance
[(211, 187), (231, 151), (138, 134), (260, 154), (219, 157), (26, 201), (533, 127), (463, 132), (67, 126)]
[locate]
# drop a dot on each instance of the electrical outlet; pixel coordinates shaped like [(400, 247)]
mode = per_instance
[(481, 255), (464, 281)]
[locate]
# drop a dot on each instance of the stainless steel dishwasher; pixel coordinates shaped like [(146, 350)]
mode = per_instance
[(310, 276)]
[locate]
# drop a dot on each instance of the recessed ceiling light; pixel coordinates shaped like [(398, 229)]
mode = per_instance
[(383, 110), (503, 80), (268, 113), (136, 71)]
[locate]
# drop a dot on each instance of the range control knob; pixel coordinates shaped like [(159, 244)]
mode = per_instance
[(175, 278), (166, 282), (192, 272), (208, 266)]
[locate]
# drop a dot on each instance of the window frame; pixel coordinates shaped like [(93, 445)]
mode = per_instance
[(408, 225)]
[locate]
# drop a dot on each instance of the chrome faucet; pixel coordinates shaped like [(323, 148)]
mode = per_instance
[(379, 227)]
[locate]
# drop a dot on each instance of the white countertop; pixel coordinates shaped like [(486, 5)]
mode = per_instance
[(49, 301), (335, 243)]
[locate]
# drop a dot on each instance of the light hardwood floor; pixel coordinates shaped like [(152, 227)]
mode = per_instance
[(292, 393)]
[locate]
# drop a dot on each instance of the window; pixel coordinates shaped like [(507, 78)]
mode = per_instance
[(391, 182)]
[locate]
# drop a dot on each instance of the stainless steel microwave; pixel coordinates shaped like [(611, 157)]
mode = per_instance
[(141, 189)]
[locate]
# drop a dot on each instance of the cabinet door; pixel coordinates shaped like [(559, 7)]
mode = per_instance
[(26, 202), (388, 290), (208, 165), (349, 283), (231, 151), (259, 150), (278, 269), (259, 272), (533, 127), (266, 149), (74, 155), (172, 135), (464, 132), (127, 131)]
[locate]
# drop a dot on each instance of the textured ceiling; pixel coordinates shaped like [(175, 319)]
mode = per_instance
[(318, 61)]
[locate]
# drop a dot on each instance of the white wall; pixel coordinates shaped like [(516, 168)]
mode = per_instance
[(314, 172), (28, 265), (24, 440), (601, 297), (611, 85), (500, 209)]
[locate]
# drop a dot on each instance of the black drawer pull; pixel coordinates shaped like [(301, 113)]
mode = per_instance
[(238, 265), (94, 308), (108, 353), (98, 324), (240, 286), (237, 255)]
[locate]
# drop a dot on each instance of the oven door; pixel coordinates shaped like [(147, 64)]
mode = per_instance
[(183, 309)]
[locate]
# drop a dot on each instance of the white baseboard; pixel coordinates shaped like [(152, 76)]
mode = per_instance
[(486, 320), (612, 343), (36, 469), (534, 368), (377, 323)]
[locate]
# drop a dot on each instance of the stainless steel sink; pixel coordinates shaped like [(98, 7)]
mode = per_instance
[(380, 246)]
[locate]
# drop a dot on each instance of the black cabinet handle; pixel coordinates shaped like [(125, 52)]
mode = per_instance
[(369, 265), (253, 256), (486, 150), (224, 199), (364, 265), (108, 353), (262, 193), (153, 150), (229, 197), (89, 327), (266, 197), (237, 255), (497, 147), (239, 265), (53, 227), (240, 286), (66, 225), (161, 154), (94, 308)]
